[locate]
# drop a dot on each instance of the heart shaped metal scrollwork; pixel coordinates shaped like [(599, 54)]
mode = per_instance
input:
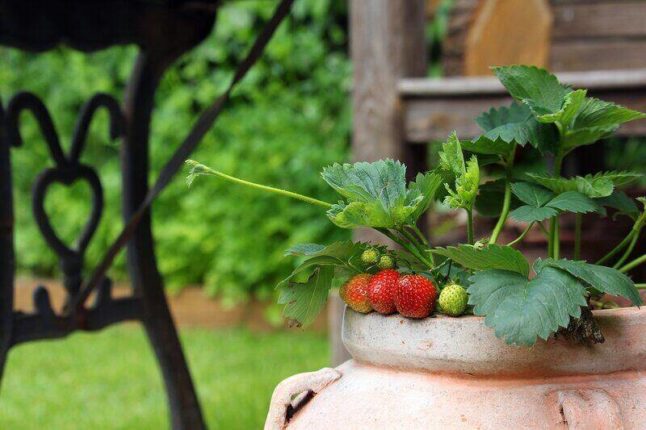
[(67, 170)]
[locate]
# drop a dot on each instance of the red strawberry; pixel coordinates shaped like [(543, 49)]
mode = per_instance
[(415, 297), (355, 293), (381, 291)]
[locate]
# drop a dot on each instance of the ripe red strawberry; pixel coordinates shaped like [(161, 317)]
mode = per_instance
[(355, 293), (381, 291), (415, 297)]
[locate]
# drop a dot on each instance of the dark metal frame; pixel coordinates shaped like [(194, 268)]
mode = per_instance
[(164, 30)]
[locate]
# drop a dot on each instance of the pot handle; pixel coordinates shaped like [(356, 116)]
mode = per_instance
[(590, 409), (294, 392)]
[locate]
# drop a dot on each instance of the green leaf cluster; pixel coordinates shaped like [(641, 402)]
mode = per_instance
[(466, 174), (376, 194), (541, 203), (520, 310), (580, 120), (305, 291)]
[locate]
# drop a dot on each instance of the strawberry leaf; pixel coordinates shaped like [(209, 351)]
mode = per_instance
[(304, 292), (571, 104), (520, 310), (505, 125), (595, 120), (532, 194), (621, 202), (489, 257), (535, 87), (376, 194), (601, 278), (600, 184), (467, 175), (304, 301), (575, 202)]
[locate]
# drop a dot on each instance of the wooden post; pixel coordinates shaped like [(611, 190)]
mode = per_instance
[(386, 45)]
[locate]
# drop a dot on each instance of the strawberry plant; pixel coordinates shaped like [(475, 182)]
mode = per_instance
[(521, 301)]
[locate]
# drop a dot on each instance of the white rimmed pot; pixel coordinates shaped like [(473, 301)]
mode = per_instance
[(453, 373)]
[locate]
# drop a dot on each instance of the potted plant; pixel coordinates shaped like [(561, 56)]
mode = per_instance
[(510, 342)]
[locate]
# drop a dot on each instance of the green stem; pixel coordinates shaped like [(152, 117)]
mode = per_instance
[(543, 229), (617, 248), (577, 236), (506, 203), (631, 265), (200, 169), (554, 244), (419, 247), (412, 250), (419, 234), (631, 247), (470, 226), (640, 286), (522, 235)]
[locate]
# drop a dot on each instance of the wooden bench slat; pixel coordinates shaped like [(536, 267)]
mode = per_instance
[(610, 19)]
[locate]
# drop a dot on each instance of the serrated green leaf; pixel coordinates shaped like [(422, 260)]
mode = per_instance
[(520, 310), (575, 202), (486, 146), (601, 278), (505, 125), (376, 194), (595, 120), (621, 202), (598, 185), (426, 186), (490, 257), (571, 105), (599, 113), (529, 213), (304, 301), (535, 87), (383, 181), (466, 187), (451, 157), (532, 194)]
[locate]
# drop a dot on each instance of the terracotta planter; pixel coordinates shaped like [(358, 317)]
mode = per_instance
[(446, 373)]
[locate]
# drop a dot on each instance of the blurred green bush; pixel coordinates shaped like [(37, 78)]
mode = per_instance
[(288, 118)]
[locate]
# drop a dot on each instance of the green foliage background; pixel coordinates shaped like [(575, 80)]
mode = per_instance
[(288, 119)]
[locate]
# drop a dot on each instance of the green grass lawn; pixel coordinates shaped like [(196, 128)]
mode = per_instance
[(110, 380)]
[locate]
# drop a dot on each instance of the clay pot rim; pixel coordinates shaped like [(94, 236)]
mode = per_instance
[(466, 345)]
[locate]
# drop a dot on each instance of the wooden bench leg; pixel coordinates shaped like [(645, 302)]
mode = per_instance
[(142, 266)]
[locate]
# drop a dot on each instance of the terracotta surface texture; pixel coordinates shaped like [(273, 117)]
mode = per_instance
[(453, 373)]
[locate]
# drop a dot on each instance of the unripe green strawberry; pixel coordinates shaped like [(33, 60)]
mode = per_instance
[(370, 256), (355, 293), (386, 262), (453, 300)]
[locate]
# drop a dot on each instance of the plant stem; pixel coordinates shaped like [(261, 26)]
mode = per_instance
[(204, 170), (470, 226), (554, 244), (631, 265), (543, 229), (640, 286), (631, 246), (506, 203), (418, 246), (412, 250), (419, 234), (522, 235), (617, 248), (577, 236)]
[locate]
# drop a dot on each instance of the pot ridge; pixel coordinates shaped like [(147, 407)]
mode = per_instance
[(466, 345)]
